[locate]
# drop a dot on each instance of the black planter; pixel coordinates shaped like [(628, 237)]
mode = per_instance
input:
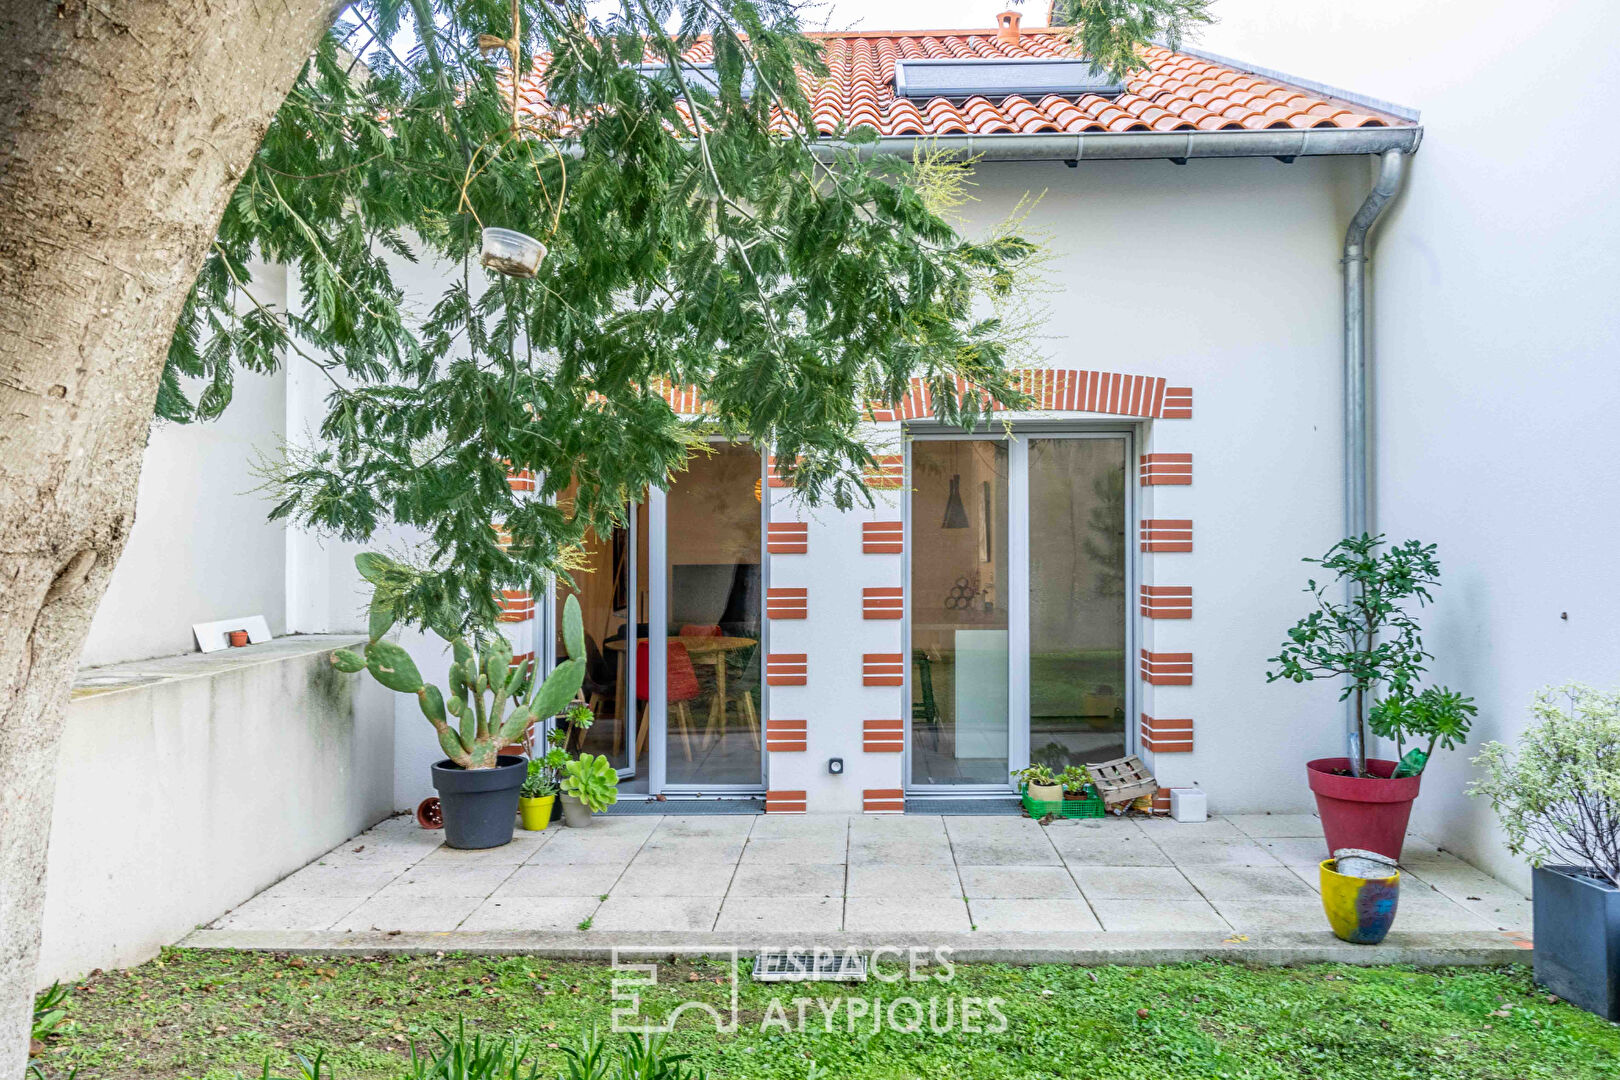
[(1577, 930), (479, 805)]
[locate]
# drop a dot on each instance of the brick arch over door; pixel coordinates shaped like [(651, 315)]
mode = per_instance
[(1054, 389)]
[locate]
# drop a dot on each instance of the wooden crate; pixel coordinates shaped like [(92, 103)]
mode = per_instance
[(1122, 781)]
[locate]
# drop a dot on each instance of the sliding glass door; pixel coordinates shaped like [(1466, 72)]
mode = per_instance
[(611, 586), (1016, 593), (713, 635), (673, 604), (1077, 623), (959, 612)]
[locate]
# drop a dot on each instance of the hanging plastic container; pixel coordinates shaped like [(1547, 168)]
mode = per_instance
[(512, 253)]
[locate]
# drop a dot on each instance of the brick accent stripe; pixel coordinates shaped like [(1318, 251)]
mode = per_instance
[(1167, 736), (785, 736), (774, 475), (1177, 406), (787, 538), (786, 669), (883, 801), (683, 399), (883, 736), (785, 802), (883, 537), (1161, 801), (1166, 601), (883, 669), (1167, 534), (516, 605), (522, 480), (1167, 668), (1166, 469), (787, 603), (887, 472), (883, 602), (1054, 390)]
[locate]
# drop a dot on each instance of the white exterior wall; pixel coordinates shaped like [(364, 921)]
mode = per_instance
[(1219, 276), (190, 783), (1494, 339), (201, 548)]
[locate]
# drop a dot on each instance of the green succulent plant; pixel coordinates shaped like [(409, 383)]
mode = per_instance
[(591, 779), (473, 722)]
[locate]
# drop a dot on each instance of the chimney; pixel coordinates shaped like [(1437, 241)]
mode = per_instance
[(1007, 26)]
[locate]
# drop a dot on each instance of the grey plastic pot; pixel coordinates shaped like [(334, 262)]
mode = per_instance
[(479, 805), (1577, 933), (576, 815)]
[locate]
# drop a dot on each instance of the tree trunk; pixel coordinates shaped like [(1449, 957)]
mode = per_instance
[(124, 125)]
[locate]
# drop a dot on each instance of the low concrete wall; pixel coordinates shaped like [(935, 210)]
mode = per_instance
[(189, 783)]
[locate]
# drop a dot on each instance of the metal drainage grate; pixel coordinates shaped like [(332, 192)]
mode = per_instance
[(809, 965)]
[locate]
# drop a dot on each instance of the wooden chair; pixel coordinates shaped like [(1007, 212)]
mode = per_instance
[(681, 686)]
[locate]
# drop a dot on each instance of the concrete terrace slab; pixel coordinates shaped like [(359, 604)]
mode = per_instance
[(1110, 891)]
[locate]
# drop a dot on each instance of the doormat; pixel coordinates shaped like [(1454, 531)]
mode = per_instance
[(685, 807), (1009, 807)]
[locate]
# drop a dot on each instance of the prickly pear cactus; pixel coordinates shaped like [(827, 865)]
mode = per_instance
[(492, 700)]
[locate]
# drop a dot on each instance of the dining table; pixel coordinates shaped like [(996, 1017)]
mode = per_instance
[(707, 649)]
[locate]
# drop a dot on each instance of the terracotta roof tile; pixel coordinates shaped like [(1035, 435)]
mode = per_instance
[(1175, 92)]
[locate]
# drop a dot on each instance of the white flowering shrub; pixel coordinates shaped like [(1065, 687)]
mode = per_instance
[(1558, 793)]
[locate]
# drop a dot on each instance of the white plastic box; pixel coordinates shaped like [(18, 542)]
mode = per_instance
[(1189, 804)]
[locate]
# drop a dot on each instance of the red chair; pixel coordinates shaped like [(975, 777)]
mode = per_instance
[(680, 686)]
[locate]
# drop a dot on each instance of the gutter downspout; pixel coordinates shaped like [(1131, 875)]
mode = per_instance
[(1357, 464)]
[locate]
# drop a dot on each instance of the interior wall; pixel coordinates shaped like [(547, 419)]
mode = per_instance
[(1494, 336)]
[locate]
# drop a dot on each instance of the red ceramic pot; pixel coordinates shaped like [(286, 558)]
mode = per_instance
[(1367, 812)]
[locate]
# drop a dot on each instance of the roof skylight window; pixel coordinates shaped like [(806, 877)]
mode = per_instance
[(995, 79), (698, 76)]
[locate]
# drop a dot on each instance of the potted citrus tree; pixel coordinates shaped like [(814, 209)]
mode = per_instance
[(1558, 798), (492, 702), (1364, 630)]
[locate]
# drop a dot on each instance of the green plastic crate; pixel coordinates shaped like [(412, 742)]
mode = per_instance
[(1090, 805)]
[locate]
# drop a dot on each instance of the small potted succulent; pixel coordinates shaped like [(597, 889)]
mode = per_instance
[(1363, 632), (538, 795), (1558, 798), (1040, 783), (589, 785), (478, 786)]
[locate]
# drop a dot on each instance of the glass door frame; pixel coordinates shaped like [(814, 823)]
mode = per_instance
[(1018, 606), (546, 627)]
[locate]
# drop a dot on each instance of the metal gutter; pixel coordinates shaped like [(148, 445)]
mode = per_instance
[(1357, 463), (1179, 146)]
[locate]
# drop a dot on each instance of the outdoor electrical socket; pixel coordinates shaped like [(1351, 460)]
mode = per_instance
[(835, 765)]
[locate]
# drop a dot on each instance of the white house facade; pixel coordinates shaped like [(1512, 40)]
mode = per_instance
[(1106, 574)]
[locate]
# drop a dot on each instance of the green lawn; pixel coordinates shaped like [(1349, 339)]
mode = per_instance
[(194, 1014)]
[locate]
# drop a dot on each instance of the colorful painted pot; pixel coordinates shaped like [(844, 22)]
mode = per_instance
[(535, 813), (1360, 910)]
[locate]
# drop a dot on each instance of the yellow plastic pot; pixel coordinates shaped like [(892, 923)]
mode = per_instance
[(1360, 910), (536, 813)]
